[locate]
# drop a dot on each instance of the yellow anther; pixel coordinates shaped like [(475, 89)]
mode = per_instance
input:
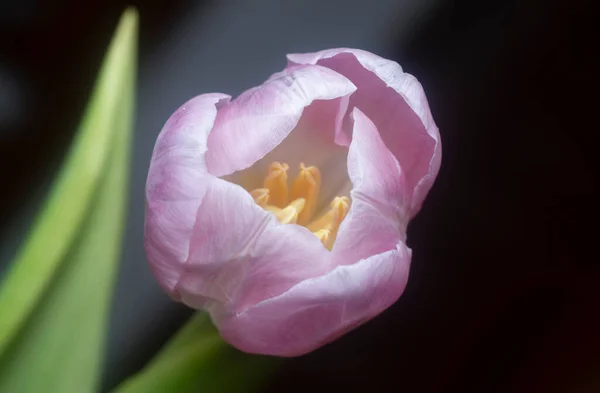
[(274, 197), (341, 205), (289, 214), (276, 183), (323, 235), (307, 185), (272, 209), (334, 217), (326, 227), (261, 196)]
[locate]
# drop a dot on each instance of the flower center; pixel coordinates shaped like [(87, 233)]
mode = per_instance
[(298, 204)]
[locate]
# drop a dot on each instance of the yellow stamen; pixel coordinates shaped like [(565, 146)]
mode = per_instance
[(307, 185), (326, 227), (323, 235), (272, 209), (261, 196), (276, 183), (274, 196), (289, 214), (334, 217)]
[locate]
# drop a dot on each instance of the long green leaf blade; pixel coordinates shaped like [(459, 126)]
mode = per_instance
[(60, 347), (69, 201)]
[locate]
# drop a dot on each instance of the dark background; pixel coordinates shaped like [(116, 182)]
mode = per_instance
[(504, 292)]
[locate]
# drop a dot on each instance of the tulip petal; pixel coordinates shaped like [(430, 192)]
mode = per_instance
[(319, 310), (175, 185), (256, 122), (396, 103), (377, 219), (240, 254)]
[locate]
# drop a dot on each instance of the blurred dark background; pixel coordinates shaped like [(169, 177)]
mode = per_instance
[(504, 293)]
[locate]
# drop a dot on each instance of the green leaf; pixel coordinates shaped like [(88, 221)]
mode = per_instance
[(197, 360), (62, 281), (62, 216)]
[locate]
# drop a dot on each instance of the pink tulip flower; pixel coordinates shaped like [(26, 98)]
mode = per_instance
[(283, 212)]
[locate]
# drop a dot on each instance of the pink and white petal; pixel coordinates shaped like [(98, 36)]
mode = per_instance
[(378, 214), (323, 119), (319, 310), (241, 255), (312, 142), (258, 120), (175, 185), (396, 103)]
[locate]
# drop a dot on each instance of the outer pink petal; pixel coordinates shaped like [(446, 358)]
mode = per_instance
[(257, 121), (175, 186), (396, 103), (241, 255), (319, 310), (377, 219)]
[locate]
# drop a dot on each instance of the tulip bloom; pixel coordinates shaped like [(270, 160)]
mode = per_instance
[(283, 212)]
